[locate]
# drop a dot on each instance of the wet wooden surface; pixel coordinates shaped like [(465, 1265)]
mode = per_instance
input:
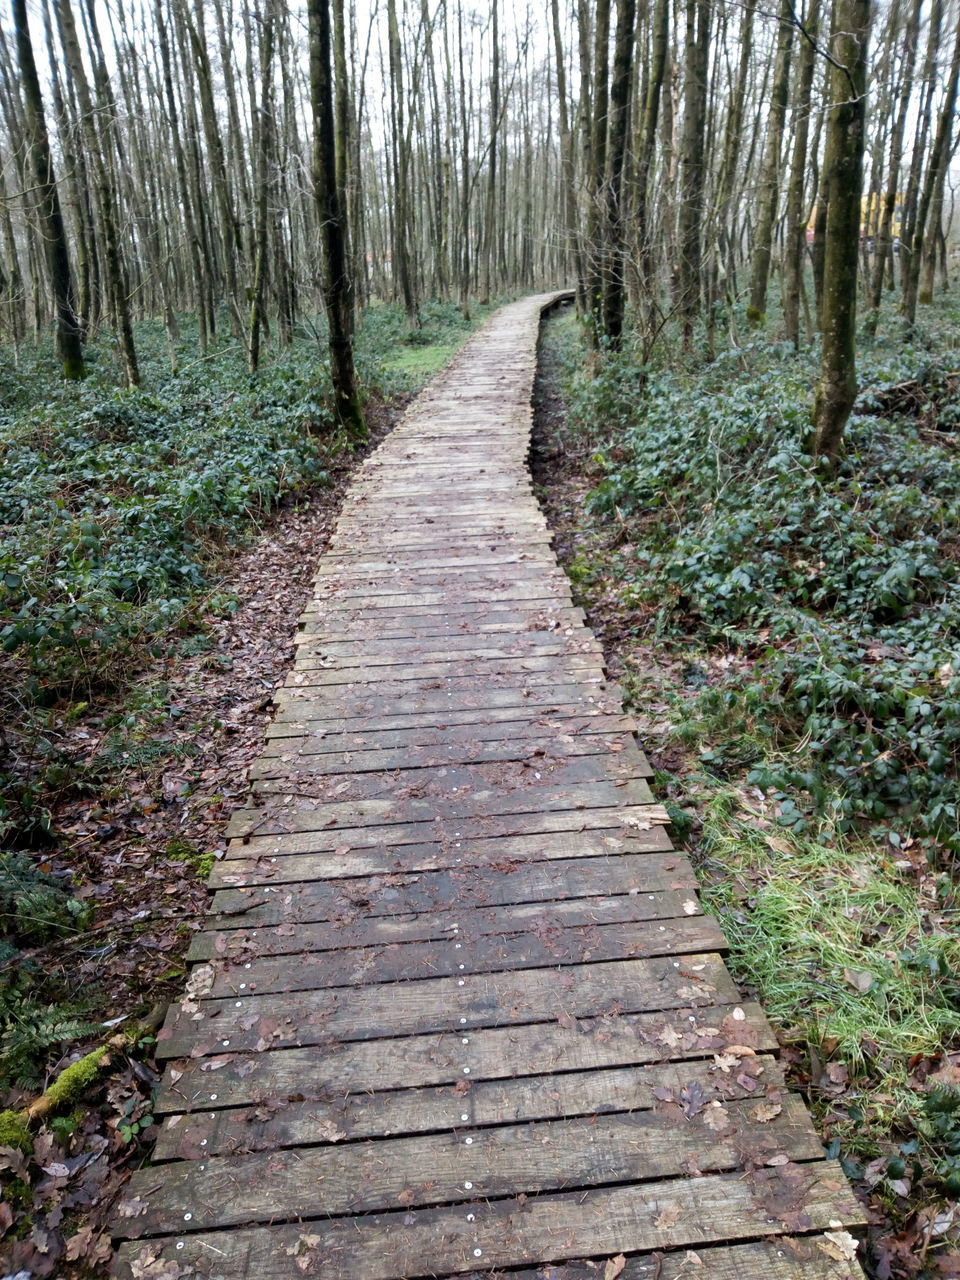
[(456, 1009)]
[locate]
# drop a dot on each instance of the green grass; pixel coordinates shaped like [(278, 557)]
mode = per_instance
[(834, 937)]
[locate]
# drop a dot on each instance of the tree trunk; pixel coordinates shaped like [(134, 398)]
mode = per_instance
[(796, 217), (770, 181), (330, 215), (884, 241), (47, 203), (847, 91), (692, 166), (614, 294), (939, 159)]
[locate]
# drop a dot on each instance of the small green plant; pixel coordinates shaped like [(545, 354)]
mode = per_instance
[(186, 851)]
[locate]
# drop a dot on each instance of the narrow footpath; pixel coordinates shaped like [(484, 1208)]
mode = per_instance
[(456, 1008)]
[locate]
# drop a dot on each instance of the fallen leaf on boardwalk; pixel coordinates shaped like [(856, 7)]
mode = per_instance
[(764, 1112), (690, 907), (716, 1117), (694, 1099), (667, 1218), (566, 1021), (669, 1037), (725, 1062), (462, 1087), (614, 1267), (839, 1245), (329, 1131), (132, 1208)]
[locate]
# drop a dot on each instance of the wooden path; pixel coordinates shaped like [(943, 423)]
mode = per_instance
[(456, 1009)]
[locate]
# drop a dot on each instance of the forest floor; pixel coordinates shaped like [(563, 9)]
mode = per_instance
[(114, 792), (751, 610)]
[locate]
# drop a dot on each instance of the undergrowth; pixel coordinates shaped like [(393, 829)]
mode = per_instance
[(792, 649), (119, 510)]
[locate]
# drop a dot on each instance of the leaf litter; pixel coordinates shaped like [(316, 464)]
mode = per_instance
[(134, 846)]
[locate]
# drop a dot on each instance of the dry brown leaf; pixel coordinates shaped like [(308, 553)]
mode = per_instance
[(667, 1218), (614, 1267), (764, 1112), (716, 1117), (839, 1245)]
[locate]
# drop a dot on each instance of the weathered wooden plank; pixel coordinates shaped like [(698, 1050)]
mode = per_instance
[(679, 1213), (446, 718), (284, 858), (313, 968), (412, 1008), (454, 920), (309, 754), (430, 781), (374, 654), (502, 555), (558, 731), (654, 881), (351, 583), (612, 1039), (439, 623), (783, 1258), (574, 639), (335, 1117), (561, 668), (312, 814), (393, 685), (433, 1169)]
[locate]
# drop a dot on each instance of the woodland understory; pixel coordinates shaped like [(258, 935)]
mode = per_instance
[(125, 747), (234, 236), (788, 645)]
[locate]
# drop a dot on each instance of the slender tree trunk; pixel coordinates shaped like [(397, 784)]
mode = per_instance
[(847, 95), (568, 168), (770, 181), (47, 203), (597, 247), (330, 215), (796, 217), (264, 184), (884, 241), (936, 170), (614, 296), (648, 142), (114, 275), (689, 259)]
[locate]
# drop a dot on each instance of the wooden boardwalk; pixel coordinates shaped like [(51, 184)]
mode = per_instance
[(456, 1009)]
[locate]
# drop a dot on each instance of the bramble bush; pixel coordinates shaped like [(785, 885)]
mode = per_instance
[(842, 592)]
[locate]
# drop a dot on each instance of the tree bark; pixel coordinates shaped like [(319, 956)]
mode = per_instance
[(770, 180), (847, 90), (331, 217), (796, 216), (614, 293), (49, 214)]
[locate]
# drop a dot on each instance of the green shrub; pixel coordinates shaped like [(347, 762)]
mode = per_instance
[(844, 592)]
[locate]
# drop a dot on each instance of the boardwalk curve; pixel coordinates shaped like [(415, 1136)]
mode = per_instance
[(456, 1008)]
